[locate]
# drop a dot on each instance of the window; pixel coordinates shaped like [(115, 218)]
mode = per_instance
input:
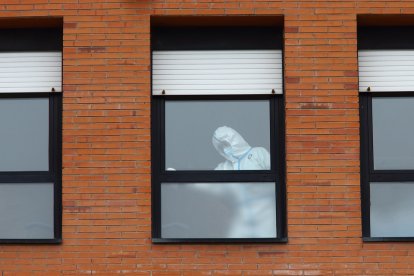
[(30, 141), (386, 74), (217, 135)]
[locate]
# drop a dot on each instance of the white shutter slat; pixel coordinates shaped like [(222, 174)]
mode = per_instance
[(224, 72), (30, 72), (8, 59), (388, 63), (211, 61), (386, 70), (30, 89), (214, 76), (216, 82), (386, 74), (29, 84), (28, 79), (403, 69), (214, 86), (29, 54), (214, 92), (382, 53), (388, 58), (390, 79), (217, 72), (30, 64), (21, 70), (213, 53), (364, 88), (221, 66)]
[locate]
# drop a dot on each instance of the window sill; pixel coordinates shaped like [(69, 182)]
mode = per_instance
[(388, 239), (220, 241), (30, 241)]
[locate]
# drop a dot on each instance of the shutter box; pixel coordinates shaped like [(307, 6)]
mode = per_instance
[(217, 72), (27, 72), (386, 70)]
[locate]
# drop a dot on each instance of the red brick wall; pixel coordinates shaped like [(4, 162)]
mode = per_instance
[(106, 146)]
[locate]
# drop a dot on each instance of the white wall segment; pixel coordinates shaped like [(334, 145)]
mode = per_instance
[(217, 72)]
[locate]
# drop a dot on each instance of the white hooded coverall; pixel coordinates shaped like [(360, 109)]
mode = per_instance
[(240, 156), (255, 203)]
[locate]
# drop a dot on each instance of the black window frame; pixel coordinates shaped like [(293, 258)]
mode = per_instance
[(54, 174), (217, 38), (372, 38), (39, 40)]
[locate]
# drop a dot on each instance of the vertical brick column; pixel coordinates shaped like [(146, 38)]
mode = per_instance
[(322, 132)]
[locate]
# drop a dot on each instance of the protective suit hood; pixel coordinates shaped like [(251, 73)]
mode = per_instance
[(230, 144)]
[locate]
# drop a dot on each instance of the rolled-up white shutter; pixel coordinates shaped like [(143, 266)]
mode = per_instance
[(217, 72), (386, 70), (30, 72)]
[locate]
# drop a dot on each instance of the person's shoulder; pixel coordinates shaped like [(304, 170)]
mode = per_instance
[(223, 166), (259, 153), (258, 150)]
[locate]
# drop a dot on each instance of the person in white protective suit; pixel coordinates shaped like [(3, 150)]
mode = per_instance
[(238, 153), (246, 209), (255, 202)]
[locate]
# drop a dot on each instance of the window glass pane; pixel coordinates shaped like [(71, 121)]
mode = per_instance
[(221, 135), (24, 139), (218, 210), (393, 134), (26, 211), (392, 209)]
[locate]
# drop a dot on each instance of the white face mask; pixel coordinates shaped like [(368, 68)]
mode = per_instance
[(229, 152)]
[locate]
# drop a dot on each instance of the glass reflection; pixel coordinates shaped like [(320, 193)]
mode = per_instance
[(24, 139), (218, 210), (26, 211), (191, 125), (393, 133), (392, 208)]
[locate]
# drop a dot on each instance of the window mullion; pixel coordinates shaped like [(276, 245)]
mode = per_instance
[(392, 176), (218, 177)]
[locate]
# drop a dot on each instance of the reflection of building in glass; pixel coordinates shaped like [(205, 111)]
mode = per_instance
[(218, 210)]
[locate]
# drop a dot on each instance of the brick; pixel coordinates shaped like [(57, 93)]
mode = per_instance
[(107, 140)]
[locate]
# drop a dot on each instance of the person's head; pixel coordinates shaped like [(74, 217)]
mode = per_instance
[(229, 143)]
